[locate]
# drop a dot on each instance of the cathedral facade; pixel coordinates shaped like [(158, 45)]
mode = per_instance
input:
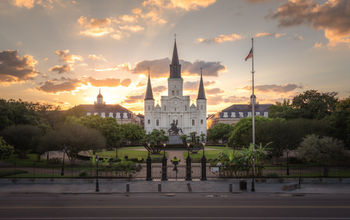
[(176, 115)]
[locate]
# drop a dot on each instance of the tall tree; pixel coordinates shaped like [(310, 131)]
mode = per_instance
[(132, 133), (220, 132), (23, 138), (315, 105)]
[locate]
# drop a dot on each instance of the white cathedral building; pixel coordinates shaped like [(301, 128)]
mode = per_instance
[(175, 109)]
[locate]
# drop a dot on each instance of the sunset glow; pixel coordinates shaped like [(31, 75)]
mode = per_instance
[(62, 52)]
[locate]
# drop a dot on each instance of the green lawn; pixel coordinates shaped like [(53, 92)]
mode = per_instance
[(131, 152), (209, 154)]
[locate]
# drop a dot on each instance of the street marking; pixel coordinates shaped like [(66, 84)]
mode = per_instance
[(183, 207)]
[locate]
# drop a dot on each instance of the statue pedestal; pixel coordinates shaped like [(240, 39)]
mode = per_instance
[(175, 139)]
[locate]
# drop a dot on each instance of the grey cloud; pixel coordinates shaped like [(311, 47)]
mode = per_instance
[(160, 67), (275, 88), (52, 87), (60, 68), (14, 68), (329, 15), (214, 91), (134, 98), (159, 89), (194, 85)]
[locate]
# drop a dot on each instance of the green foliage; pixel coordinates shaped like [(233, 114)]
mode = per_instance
[(320, 150), (22, 137), (311, 104), (7, 173), (108, 127), (5, 149), (238, 163), (73, 138), (132, 133), (242, 131), (340, 122), (220, 132), (155, 139)]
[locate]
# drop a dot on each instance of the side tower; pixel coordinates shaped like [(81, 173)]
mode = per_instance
[(149, 107), (202, 108), (175, 82)]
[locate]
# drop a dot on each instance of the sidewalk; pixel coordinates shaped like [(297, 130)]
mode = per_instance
[(141, 186)]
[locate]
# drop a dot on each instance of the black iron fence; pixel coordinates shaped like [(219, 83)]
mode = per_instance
[(173, 172)]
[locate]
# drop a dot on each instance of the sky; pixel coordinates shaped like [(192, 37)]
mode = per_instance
[(62, 52)]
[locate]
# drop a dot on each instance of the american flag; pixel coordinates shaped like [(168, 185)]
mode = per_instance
[(250, 55)]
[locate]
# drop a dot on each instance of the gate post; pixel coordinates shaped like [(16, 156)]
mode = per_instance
[(204, 165), (188, 164), (149, 167), (164, 166)]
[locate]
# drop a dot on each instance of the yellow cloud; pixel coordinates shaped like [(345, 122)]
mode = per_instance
[(24, 3)]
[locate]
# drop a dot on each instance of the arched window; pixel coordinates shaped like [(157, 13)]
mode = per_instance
[(177, 92), (192, 122), (149, 121), (201, 121), (185, 107), (172, 92), (157, 122)]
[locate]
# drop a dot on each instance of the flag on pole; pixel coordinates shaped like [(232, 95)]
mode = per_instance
[(250, 55)]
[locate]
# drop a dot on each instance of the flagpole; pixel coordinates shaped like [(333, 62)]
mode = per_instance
[(253, 116)]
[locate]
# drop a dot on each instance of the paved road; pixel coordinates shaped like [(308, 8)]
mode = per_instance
[(174, 206)]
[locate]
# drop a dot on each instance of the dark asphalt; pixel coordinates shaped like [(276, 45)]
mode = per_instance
[(174, 206)]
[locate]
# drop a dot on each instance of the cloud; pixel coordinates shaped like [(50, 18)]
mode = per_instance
[(159, 89), (275, 88), (140, 84), (221, 38), (297, 37), (214, 91), (126, 82), (217, 99), (160, 67), (68, 58), (24, 3), (95, 57), (194, 85), (132, 28), (318, 45), (66, 86), (331, 16), (60, 68), (186, 5), (265, 34), (48, 4), (134, 98), (257, 1), (14, 68), (108, 82), (95, 27)]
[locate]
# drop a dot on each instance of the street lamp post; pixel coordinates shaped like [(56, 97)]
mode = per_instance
[(62, 169), (97, 183), (164, 165), (204, 165), (188, 164), (253, 177), (287, 163), (149, 165)]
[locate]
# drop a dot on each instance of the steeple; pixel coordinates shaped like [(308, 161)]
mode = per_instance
[(201, 92), (175, 67), (149, 93)]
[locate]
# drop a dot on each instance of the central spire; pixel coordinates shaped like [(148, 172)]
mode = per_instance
[(201, 92), (175, 67)]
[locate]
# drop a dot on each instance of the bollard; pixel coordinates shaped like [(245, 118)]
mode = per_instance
[(127, 188), (243, 185), (230, 187), (189, 187), (159, 187)]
